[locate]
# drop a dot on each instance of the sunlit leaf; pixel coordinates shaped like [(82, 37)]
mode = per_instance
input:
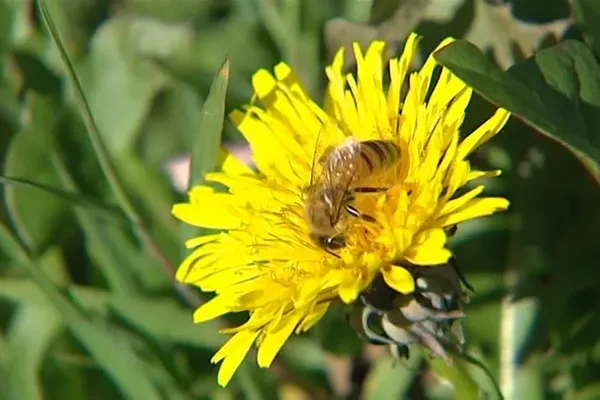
[(37, 215), (557, 91)]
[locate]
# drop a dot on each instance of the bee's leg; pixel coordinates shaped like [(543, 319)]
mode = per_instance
[(355, 213), (332, 253), (454, 264), (369, 189)]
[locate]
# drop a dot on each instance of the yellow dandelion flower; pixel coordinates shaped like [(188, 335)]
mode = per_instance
[(261, 258)]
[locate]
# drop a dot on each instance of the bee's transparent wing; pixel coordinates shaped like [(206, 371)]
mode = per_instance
[(324, 144)]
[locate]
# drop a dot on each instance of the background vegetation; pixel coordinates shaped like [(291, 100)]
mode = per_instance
[(88, 308)]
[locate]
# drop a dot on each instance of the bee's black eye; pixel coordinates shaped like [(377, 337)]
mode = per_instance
[(335, 242)]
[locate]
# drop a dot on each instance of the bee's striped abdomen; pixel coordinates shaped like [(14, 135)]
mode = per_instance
[(377, 155)]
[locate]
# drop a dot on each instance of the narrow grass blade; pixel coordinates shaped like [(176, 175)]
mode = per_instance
[(205, 152), (88, 119), (31, 332), (74, 198), (206, 144)]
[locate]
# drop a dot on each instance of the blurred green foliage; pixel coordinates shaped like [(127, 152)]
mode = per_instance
[(88, 306)]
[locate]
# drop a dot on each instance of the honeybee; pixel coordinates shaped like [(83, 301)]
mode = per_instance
[(343, 170)]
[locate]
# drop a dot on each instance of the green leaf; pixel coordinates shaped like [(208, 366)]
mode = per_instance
[(35, 74), (119, 85), (159, 317), (391, 379), (178, 111), (207, 142), (167, 322), (7, 388), (31, 332), (116, 356), (107, 245), (37, 215), (557, 92), (464, 385), (586, 14)]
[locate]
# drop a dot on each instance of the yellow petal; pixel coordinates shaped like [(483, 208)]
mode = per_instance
[(271, 153), (257, 320), (484, 133), (398, 70), (313, 317), (222, 213), (199, 192), (398, 279), (349, 290), (335, 69), (474, 174), (459, 202), (230, 164), (228, 277), (185, 270), (457, 177), (286, 75), (429, 248), (263, 83), (273, 341), (200, 240), (427, 255), (233, 353), (212, 309), (474, 209)]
